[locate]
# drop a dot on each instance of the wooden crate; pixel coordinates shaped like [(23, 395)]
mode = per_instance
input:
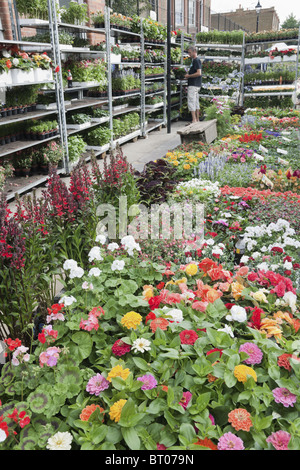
[(203, 131)]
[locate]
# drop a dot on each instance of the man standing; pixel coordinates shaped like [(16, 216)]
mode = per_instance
[(194, 84)]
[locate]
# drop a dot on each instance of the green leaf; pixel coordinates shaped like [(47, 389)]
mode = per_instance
[(131, 438)]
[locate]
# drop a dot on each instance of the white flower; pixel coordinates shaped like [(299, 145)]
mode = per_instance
[(67, 300), (288, 265), (94, 272), (227, 329), (118, 265), (76, 272), (101, 239), (237, 314), (175, 314), (210, 241), (141, 345), (2, 435), (291, 300), (263, 266), (95, 254), (129, 244), (69, 264), (87, 286), (112, 246), (60, 441), (217, 251), (15, 62), (244, 259), (6, 54)]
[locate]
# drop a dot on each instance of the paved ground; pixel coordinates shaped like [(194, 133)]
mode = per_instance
[(155, 146)]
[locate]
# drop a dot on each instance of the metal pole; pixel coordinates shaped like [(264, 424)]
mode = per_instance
[(169, 64), (60, 99), (108, 64), (143, 86), (297, 64)]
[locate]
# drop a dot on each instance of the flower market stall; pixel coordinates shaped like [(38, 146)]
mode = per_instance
[(115, 341)]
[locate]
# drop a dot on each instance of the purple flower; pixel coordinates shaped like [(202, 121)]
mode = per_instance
[(149, 382), (280, 440), (230, 442), (284, 396), (97, 384)]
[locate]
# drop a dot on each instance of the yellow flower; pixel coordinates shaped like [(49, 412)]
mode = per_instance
[(175, 163), (241, 372), (116, 410), (169, 154), (118, 371), (259, 296), (236, 290), (179, 281), (199, 154), (131, 320), (191, 269), (148, 292), (186, 166)]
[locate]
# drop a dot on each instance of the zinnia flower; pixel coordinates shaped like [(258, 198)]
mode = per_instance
[(284, 396), (97, 384), (119, 348), (253, 351), (186, 398), (88, 411), (131, 320), (240, 419), (206, 443), (161, 323), (188, 337), (118, 371), (280, 440), (230, 442), (149, 382), (60, 441), (141, 345), (191, 269), (116, 410), (242, 372)]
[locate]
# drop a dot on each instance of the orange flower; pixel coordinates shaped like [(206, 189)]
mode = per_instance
[(164, 388), (207, 264), (206, 443), (213, 295), (237, 289), (161, 323), (216, 273), (240, 419), (88, 410)]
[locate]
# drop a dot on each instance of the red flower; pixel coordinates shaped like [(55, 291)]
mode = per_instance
[(56, 69), (150, 316), (12, 344), (120, 348), (211, 351), (154, 302), (188, 337), (42, 337), (160, 285)]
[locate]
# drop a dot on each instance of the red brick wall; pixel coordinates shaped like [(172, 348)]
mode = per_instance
[(5, 18), (93, 7)]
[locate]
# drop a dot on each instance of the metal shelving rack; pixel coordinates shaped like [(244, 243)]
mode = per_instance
[(267, 61), (230, 47), (54, 26)]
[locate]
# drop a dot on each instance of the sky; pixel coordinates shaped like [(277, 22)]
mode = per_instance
[(283, 8)]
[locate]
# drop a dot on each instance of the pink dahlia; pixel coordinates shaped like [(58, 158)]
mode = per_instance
[(253, 351), (230, 442), (280, 440), (120, 348), (97, 384), (284, 396)]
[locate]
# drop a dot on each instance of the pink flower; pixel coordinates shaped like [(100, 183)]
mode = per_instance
[(253, 351), (149, 382), (280, 440), (186, 398), (119, 348), (90, 324), (199, 306), (284, 396), (49, 357), (160, 446), (97, 384), (230, 442)]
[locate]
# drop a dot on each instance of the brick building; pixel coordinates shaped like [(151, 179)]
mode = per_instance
[(247, 19)]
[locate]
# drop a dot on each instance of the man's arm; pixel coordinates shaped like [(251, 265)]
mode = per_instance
[(194, 75)]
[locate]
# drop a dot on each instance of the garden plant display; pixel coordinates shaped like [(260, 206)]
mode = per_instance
[(117, 341)]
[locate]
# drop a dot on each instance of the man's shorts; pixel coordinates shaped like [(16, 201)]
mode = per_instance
[(193, 98)]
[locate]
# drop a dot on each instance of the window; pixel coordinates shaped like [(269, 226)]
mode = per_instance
[(192, 11), (179, 12)]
